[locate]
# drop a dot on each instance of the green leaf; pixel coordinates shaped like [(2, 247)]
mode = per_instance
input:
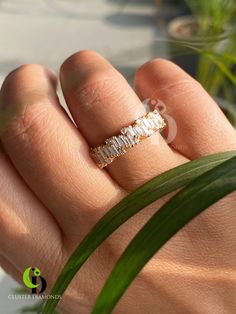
[(177, 212), (227, 56), (129, 206), (222, 67), (216, 60)]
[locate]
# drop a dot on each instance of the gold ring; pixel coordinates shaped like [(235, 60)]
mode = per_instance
[(130, 136)]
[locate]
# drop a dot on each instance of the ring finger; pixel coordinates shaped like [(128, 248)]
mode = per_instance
[(101, 103)]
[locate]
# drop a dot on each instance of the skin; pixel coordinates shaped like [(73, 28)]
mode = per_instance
[(52, 193)]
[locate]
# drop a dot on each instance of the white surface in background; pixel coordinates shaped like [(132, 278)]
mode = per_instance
[(7, 306), (48, 31)]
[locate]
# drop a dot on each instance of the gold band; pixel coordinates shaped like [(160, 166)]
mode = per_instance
[(130, 136)]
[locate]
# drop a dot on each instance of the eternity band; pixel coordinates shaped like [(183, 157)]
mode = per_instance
[(130, 136)]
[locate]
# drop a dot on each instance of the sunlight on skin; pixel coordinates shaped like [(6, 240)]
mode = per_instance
[(53, 192), (12, 219), (198, 272)]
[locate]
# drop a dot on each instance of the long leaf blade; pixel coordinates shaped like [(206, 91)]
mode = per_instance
[(177, 212), (129, 206)]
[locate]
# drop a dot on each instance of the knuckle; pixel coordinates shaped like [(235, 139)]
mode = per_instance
[(100, 88), (183, 87), (27, 125)]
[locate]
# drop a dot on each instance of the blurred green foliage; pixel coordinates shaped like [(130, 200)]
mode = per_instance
[(216, 21)]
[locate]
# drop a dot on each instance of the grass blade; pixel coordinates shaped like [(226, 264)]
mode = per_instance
[(178, 211), (129, 206), (230, 75)]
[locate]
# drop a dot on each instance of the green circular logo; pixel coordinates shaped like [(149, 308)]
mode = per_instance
[(26, 277)]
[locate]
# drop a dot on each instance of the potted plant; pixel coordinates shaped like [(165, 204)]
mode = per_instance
[(204, 44)]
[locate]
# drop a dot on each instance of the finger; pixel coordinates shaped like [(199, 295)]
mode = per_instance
[(23, 241), (101, 102), (49, 152), (202, 128)]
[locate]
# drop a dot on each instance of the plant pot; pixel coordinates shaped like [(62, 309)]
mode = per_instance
[(185, 47), (183, 32)]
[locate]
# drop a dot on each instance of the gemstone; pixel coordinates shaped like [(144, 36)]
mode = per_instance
[(152, 125), (119, 142), (115, 150), (150, 114), (130, 131), (156, 113), (107, 141), (113, 142), (101, 153), (157, 117), (137, 130), (139, 121), (145, 130), (146, 123), (124, 140), (129, 142), (131, 139), (122, 150), (99, 157), (156, 124), (112, 151), (123, 130), (136, 139), (106, 151)]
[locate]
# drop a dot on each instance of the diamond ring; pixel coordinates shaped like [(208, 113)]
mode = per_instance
[(130, 136)]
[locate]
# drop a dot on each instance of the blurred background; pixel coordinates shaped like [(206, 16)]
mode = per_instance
[(198, 35)]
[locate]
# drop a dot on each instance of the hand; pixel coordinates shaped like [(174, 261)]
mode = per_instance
[(52, 192)]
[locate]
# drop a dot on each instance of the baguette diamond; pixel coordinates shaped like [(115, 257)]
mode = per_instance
[(130, 131), (137, 130), (145, 130), (146, 123), (129, 136)]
